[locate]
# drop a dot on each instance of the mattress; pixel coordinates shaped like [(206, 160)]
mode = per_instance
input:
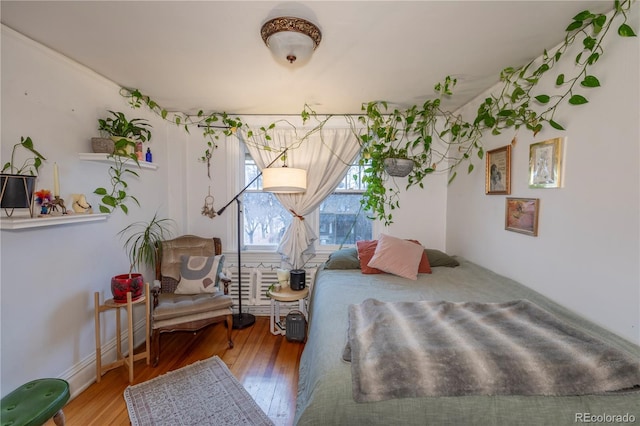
[(325, 386)]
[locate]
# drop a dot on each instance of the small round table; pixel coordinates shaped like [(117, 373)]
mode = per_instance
[(285, 295)]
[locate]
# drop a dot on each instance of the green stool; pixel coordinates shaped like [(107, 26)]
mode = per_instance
[(34, 403)]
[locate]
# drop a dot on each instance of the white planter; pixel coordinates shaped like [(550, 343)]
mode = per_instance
[(398, 166)]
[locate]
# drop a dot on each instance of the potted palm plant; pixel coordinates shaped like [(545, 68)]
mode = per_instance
[(143, 247), (17, 186)]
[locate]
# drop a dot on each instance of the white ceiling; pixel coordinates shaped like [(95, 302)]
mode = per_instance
[(191, 55)]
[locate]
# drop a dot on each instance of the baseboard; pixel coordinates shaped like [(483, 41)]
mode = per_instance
[(83, 374)]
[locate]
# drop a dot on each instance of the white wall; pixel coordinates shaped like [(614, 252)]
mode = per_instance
[(587, 254), (49, 275)]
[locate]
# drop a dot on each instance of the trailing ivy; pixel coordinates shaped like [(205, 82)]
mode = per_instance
[(438, 140)]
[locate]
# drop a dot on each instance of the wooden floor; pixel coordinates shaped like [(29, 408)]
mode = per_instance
[(265, 364)]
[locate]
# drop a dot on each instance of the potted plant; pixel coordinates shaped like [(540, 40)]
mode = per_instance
[(17, 186), (124, 132), (396, 162), (143, 246)]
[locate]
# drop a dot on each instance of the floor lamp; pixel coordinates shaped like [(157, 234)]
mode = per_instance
[(278, 180)]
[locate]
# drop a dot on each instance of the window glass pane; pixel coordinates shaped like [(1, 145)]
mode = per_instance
[(342, 222), (264, 219)]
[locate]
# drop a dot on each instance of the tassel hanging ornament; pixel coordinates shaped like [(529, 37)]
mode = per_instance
[(208, 209)]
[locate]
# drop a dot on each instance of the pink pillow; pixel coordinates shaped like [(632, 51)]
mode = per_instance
[(397, 256), (366, 249)]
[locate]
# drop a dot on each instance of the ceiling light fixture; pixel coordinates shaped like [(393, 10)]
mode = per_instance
[(291, 40)]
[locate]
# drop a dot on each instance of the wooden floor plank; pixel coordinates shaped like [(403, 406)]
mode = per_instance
[(265, 364)]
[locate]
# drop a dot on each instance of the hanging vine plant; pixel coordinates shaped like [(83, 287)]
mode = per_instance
[(438, 140)]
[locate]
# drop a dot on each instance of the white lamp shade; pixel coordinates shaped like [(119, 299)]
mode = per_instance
[(284, 180), (291, 48)]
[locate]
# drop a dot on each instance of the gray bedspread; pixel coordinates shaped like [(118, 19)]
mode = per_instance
[(440, 348), (325, 385)]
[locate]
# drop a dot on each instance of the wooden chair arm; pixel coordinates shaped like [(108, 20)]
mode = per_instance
[(225, 282), (155, 290)]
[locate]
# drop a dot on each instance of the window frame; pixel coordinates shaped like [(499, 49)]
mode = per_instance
[(313, 217)]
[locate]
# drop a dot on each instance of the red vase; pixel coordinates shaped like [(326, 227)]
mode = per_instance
[(125, 283)]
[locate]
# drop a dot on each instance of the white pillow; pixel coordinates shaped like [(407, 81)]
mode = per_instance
[(199, 274), (397, 256)]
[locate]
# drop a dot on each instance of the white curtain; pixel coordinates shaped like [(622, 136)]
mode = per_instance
[(326, 155)]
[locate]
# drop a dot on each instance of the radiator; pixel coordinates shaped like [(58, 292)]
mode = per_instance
[(255, 283)]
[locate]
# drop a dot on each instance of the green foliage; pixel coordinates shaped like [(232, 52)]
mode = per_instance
[(117, 197), (143, 239), (30, 165), (128, 131), (137, 129), (412, 132)]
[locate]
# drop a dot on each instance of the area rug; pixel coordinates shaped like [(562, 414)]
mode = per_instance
[(203, 393)]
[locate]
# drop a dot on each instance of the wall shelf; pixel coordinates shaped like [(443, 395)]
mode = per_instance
[(26, 222), (104, 158)]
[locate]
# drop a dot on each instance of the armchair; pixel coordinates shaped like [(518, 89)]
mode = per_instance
[(186, 312)]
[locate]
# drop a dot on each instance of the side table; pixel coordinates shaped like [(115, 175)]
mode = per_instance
[(120, 358), (285, 295)]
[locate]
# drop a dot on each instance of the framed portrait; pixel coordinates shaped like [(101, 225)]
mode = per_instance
[(545, 164), (521, 215), (498, 171)]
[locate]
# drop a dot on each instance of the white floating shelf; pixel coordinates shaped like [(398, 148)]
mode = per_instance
[(104, 158), (26, 222)]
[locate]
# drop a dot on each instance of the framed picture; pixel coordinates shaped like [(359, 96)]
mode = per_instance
[(545, 164), (521, 215), (498, 171)]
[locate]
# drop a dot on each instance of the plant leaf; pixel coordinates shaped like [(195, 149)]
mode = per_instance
[(543, 99), (578, 100), (625, 30), (590, 81), (574, 26), (555, 125)]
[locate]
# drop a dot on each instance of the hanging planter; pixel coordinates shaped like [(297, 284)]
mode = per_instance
[(400, 167)]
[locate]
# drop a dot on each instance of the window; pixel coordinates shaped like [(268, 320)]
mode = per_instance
[(264, 218), (342, 221), (338, 221)]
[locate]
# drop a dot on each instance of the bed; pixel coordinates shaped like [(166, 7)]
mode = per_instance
[(325, 391)]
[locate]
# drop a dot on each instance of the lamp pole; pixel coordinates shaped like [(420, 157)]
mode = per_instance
[(242, 320)]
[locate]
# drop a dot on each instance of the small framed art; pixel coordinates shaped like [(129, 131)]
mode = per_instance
[(498, 171), (521, 215), (545, 164)]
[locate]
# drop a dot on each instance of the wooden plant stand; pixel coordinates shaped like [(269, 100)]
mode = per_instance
[(120, 358)]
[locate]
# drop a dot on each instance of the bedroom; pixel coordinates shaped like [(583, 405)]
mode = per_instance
[(585, 257)]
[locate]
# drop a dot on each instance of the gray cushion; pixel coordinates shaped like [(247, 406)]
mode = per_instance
[(438, 258), (346, 258), (178, 305)]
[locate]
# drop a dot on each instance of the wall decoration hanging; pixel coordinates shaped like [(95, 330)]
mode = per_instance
[(545, 164), (521, 215), (208, 209), (498, 171)]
